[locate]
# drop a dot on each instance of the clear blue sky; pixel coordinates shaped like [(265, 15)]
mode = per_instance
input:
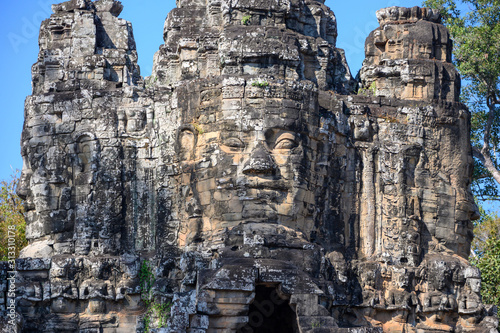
[(20, 23)]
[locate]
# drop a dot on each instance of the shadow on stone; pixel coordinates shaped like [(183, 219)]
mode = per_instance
[(269, 313)]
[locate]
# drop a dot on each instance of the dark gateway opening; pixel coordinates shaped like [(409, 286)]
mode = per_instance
[(269, 313)]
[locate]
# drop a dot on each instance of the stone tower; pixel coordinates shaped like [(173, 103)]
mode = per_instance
[(245, 182)]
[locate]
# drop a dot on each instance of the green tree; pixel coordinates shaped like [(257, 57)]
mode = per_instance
[(476, 35), (487, 227), (489, 264), (486, 255), (12, 223)]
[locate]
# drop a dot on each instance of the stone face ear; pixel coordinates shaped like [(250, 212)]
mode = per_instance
[(186, 143)]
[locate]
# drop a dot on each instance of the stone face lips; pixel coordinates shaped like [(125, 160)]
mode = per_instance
[(262, 191)]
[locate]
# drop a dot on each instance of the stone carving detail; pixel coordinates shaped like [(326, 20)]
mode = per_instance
[(263, 191), (409, 57)]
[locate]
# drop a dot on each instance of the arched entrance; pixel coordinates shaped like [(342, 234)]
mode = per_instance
[(269, 313)]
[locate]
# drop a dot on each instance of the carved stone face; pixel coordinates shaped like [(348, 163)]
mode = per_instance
[(474, 284), (402, 278), (55, 181), (23, 189), (439, 276), (261, 162), (41, 186), (369, 279)]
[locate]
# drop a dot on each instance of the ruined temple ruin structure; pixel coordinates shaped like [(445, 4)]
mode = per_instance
[(250, 182)]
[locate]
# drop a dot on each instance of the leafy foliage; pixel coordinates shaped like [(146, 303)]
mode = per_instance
[(12, 223), (486, 255), (260, 84), (246, 19), (490, 271), (484, 185), (162, 312), (476, 36), (489, 264), (146, 280), (486, 228), (154, 310), (370, 91)]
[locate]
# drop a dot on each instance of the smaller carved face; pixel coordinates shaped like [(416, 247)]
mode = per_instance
[(370, 277), (439, 275), (35, 188), (187, 142), (136, 119), (50, 170), (439, 280), (474, 284), (23, 188), (362, 129), (401, 278)]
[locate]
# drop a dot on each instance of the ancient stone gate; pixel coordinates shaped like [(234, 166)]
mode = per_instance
[(251, 181)]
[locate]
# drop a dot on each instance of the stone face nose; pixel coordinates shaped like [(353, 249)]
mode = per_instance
[(22, 189), (260, 163)]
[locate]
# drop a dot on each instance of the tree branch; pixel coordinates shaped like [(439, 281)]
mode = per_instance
[(488, 163), (482, 176), (476, 152)]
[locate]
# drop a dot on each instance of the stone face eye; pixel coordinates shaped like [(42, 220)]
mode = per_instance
[(285, 143), (234, 143)]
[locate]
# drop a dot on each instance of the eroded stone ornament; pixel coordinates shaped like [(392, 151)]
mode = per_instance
[(246, 182)]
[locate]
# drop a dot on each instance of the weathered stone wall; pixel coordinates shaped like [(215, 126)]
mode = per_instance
[(263, 192), (409, 57)]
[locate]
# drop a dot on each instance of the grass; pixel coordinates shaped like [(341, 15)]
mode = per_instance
[(246, 19), (260, 84)]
